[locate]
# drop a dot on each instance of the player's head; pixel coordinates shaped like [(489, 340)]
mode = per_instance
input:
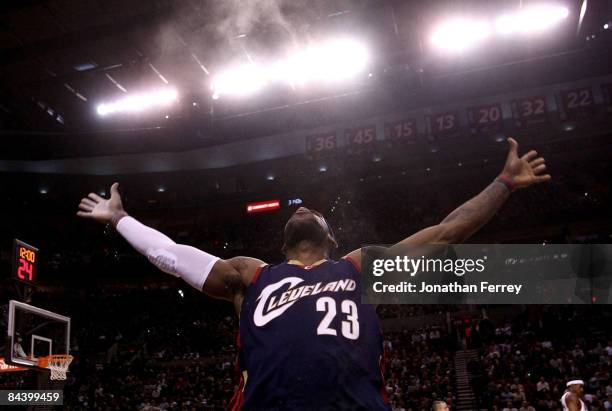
[(308, 228), (440, 406), (576, 387)]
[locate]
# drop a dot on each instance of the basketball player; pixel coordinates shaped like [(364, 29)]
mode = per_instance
[(305, 340), (572, 398)]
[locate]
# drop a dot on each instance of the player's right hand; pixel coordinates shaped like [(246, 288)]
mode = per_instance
[(101, 209)]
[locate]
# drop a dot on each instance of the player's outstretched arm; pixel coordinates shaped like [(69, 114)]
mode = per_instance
[(463, 222), (225, 279)]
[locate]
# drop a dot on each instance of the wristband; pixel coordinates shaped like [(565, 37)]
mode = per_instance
[(117, 217), (506, 182)]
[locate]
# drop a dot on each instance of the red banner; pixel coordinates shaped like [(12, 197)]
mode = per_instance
[(263, 206), (4, 367)]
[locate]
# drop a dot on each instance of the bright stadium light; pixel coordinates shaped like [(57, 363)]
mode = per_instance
[(331, 61), (335, 60), (339, 60), (531, 19), (460, 34), (294, 70), (239, 81), (139, 102)]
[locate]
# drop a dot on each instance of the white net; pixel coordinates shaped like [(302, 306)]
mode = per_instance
[(58, 365)]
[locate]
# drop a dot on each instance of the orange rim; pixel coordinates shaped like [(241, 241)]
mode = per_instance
[(62, 360)]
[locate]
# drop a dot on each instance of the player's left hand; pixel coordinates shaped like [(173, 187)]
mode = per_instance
[(526, 170)]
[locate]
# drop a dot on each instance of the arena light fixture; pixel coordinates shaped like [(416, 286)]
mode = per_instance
[(339, 59), (583, 10), (460, 34), (531, 19), (331, 61), (139, 102), (240, 81)]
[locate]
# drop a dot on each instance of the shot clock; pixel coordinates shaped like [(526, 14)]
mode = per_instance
[(25, 262)]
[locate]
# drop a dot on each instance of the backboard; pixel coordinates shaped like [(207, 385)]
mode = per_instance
[(35, 332)]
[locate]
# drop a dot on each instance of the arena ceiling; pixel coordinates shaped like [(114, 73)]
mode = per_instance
[(60, 58)]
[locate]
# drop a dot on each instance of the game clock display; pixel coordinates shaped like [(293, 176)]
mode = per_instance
[(25, 262)]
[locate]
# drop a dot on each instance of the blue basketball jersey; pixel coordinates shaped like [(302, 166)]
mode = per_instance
[(307, 342)]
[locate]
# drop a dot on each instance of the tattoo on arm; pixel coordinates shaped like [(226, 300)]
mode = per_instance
[(475, 213), (246, 268), (233, 279), (233, 282), (240, 263)]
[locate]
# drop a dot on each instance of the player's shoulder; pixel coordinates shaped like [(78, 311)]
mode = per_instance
[(351, 261), (570, 397), (246, 267), (245, 263)]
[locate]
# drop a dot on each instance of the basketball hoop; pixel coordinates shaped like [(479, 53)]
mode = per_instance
[(58, 364)]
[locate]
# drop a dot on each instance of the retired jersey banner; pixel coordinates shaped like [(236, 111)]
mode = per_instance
[(487, 274)]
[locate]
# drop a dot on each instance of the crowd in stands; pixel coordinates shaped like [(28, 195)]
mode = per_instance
[(419, 368), (168, 348), (527, 362)]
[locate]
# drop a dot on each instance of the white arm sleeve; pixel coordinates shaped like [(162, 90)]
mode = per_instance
[(184, 261)]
